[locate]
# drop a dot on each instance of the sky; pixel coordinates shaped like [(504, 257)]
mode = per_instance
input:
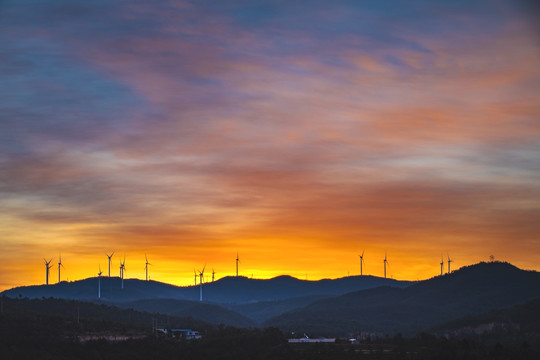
[(296, 133)]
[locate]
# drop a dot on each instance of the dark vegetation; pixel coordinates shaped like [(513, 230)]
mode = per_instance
[(89, 316), (48, 329), (471, 290), (523, 319)]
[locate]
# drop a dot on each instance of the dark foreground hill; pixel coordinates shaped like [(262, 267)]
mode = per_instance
[(522, 319), (471, 290), (227, 290), (48, 329), (76, 316)]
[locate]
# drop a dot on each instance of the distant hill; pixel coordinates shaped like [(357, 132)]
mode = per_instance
[(243, 290), (209, 313), (471, 290), (87, 289), (263, 310), (226, 290)]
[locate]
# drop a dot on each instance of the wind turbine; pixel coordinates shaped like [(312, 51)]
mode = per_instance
[(213, 273), (385, 262), (122, 270), (146, 266), (449, 261), (237, 261), (47, 268), (110, 256), (442, 264), (201, 274), (195, 275), (361, 262), (99, 283), (60, 266)]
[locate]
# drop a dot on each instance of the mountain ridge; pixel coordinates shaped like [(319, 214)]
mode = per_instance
[(225, 290), (469, 290)]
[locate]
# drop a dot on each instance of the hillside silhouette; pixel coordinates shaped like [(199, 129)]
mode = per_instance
[(226, 290), (263, 310), (77, 315), (210, 313), (523, 319), (471, 290), (333, 307)]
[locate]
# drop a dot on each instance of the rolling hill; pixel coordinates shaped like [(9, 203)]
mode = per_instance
[(263, 310), (244, 302), (471, 290), (226, 290), (210, 313)]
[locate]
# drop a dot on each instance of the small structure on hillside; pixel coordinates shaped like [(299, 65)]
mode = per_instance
[(307, 339)]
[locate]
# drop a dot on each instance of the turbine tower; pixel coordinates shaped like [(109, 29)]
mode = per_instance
[(449, 261), (60, 266), (237, 260), (385, 262), (195, 275), (201, 274), (47, 268), (99, 283), (361, 262), (442, 264), (110, 256), (146, 266), (213, 273)]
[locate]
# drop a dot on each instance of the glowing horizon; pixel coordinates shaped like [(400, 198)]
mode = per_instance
[(299, 136), (183, 276)]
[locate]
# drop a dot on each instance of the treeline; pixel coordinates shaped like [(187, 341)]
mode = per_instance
[(91, 316), (240, 344)]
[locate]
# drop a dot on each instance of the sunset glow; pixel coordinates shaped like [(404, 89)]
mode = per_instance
[(296, 134)]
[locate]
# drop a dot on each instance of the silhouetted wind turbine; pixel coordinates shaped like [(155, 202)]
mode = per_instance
[(213, 273), (237, 261), (146, 266), (385, 262), (110, 256), (201, 274), (47, 268), (449, 261), (60, 266), (122, 270), (99, 283), (361, 262), (442, 264)]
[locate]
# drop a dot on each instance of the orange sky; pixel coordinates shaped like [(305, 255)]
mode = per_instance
[(189, 132)]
